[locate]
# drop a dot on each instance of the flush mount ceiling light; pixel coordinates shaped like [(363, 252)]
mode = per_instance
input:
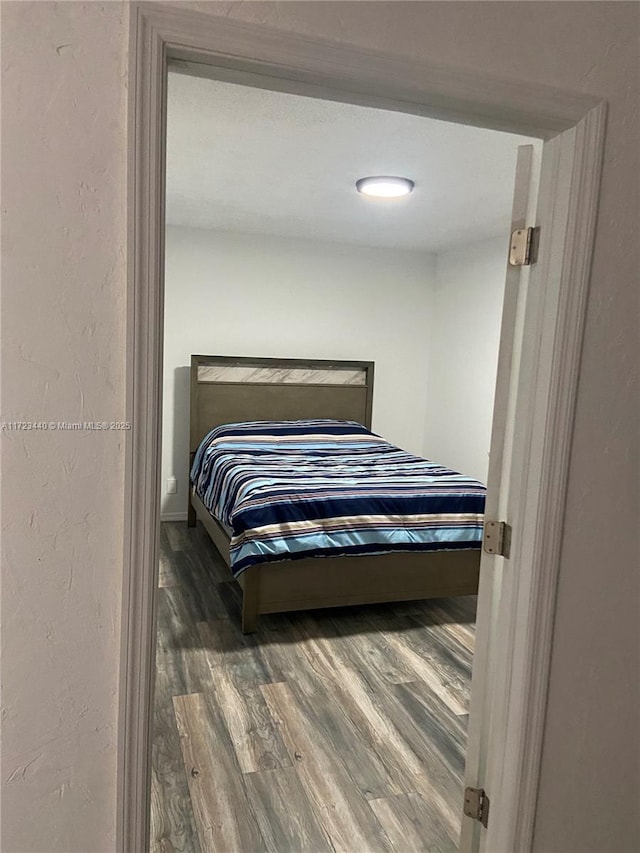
[(384, 186)]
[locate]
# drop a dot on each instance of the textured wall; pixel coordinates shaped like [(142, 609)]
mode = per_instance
[(63, 165), (63, 277)]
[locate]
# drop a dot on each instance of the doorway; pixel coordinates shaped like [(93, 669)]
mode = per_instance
[(368, 705), (517, 109)]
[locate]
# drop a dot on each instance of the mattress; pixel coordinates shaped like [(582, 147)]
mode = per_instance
[(288, 490)]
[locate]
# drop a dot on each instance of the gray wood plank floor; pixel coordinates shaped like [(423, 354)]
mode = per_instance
[(330, 730)]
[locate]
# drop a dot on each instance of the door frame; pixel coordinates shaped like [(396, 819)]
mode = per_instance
[(260, 56)]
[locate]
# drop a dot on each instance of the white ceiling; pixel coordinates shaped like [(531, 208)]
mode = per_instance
[(252, 160)]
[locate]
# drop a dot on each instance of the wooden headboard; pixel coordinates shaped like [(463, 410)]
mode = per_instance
[(225, 389)]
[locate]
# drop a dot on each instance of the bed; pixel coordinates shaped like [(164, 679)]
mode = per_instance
[(235, 391)]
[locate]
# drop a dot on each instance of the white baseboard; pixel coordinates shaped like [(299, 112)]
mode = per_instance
[(173, 516)]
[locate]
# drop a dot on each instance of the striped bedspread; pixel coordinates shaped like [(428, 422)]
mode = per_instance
[(317, 488)]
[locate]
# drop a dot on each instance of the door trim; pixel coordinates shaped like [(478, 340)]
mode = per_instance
[(224, 49), (545, 405), (563, 282)]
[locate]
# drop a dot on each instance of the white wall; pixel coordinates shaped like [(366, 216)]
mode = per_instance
[(63, 315), (463, 355), (252, 295), (63, 349)]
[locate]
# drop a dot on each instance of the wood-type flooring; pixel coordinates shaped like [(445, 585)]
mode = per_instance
[(332, 730)]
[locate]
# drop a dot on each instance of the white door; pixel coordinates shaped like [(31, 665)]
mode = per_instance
[(502, 498)]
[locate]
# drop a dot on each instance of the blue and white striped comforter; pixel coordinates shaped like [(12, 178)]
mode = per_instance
[(324, 488)]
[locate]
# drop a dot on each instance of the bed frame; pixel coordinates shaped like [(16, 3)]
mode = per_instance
[(225, 390)]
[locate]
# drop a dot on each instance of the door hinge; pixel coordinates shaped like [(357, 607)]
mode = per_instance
[(523, 249), (476, 805), (496, 538)]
